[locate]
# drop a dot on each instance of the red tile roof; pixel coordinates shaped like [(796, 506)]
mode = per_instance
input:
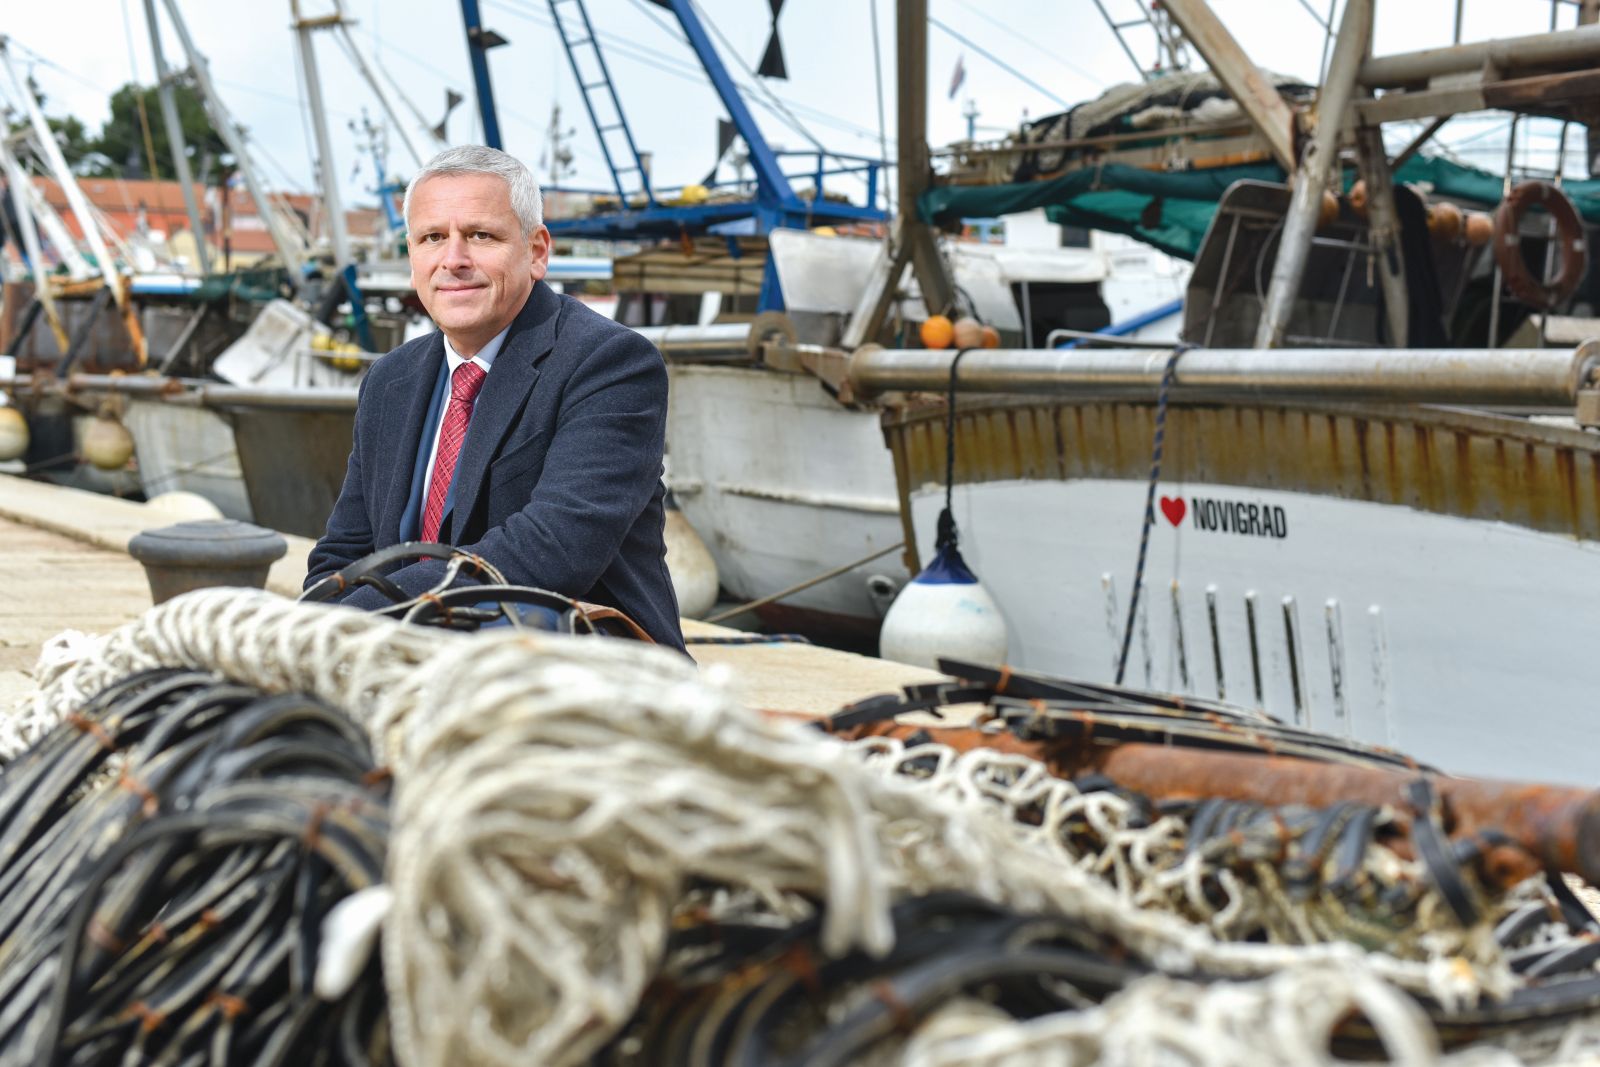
[(121, 200)]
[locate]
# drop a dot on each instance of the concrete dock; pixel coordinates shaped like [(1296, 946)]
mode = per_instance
[(68, 568)]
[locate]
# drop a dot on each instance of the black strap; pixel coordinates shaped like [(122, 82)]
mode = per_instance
[(1149, 503), (364, 570), (946, 535), (1434, 849)]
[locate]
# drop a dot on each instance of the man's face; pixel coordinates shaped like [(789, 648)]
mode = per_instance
[(471, 264)]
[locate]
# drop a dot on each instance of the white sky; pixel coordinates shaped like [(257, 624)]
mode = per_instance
[(89, 47)]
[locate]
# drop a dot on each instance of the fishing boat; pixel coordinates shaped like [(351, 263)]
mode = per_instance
[(785, 483), (1369, 494)]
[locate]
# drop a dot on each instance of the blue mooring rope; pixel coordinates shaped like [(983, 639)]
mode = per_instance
[(1149, 503)]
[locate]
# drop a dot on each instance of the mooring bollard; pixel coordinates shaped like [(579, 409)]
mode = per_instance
[(210, 552)]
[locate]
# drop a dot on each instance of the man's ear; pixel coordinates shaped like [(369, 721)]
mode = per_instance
[(539, 243)]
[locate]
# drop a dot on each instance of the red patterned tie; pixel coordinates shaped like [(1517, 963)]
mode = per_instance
[(464, 386)]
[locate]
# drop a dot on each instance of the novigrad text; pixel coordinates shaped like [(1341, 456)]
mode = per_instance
[(1232, 516)]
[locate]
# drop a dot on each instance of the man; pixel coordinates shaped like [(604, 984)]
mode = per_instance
[(527, 429)]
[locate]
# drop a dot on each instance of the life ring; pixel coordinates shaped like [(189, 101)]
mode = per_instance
[(1574, 250)]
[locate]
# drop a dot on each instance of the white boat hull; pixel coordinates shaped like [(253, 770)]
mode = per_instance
[(784, 483), (1426, 578)]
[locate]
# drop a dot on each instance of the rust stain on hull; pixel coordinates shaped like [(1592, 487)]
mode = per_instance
[(1439, 460)]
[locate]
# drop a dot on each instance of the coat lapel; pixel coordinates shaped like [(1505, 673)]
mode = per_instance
[(505, 393), (404, 408)]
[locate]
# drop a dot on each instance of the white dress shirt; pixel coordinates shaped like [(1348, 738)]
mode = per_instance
[(453, 359)]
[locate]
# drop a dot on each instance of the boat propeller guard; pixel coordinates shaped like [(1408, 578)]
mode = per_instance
[(1574, 251)]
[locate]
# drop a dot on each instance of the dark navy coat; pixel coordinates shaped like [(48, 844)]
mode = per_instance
[(559, 480)]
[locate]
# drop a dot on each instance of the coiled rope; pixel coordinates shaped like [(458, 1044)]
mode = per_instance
[(558, 799)]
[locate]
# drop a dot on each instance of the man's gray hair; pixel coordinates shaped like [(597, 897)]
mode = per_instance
[(526, 200)]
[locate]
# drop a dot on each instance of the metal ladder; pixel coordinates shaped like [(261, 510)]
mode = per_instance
[(629, 177), (1173, 51)]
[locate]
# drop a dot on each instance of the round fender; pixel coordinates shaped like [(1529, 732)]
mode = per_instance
[(1572, 248)]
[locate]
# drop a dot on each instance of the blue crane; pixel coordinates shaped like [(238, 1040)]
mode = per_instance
[(640, 213)]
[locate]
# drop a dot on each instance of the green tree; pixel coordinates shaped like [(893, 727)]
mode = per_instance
[(122, 137), (77, 147)]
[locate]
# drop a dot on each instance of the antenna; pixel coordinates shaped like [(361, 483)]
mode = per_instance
[(557, 154)]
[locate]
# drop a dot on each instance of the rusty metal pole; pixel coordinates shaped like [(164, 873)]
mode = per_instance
[(1551, 827), (1294, 248), (1558, 827)]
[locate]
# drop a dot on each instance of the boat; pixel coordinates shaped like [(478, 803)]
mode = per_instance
[(1368, 496), (786, 483)]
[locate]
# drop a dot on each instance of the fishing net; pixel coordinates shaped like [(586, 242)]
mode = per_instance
[(595, 853)]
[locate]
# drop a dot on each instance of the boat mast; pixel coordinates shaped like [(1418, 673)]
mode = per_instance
[(51, 152), (175, 138), (46, 142), (332, 206), (292, 255), (365, 69), (913, 240), (1300, 225), (479, 41), (1309, 176), (55, 230), (20, 188)]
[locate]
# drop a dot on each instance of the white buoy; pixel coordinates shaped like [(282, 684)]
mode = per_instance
[(694, 572), (13, 434), (107, 443), (182, 506), (944, 611)]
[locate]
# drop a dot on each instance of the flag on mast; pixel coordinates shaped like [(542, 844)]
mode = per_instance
[(958, 76)]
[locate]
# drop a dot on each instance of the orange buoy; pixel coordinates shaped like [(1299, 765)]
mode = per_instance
[(937, 332), (1358, 198), (991, 337), (1328, 211), (968, 332), (1479, 228), (1445, 220)]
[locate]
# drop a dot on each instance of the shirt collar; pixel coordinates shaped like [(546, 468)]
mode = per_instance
[(484, 358)]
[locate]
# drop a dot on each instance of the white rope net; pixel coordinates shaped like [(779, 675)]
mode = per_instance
[(557, 796), (1153, 865)]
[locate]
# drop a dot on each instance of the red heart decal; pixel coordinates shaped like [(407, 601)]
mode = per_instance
[(1174, 509)]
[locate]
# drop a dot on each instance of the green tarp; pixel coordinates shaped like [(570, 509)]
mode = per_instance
[(1470, 183), (257, 285), (1122, 199)]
